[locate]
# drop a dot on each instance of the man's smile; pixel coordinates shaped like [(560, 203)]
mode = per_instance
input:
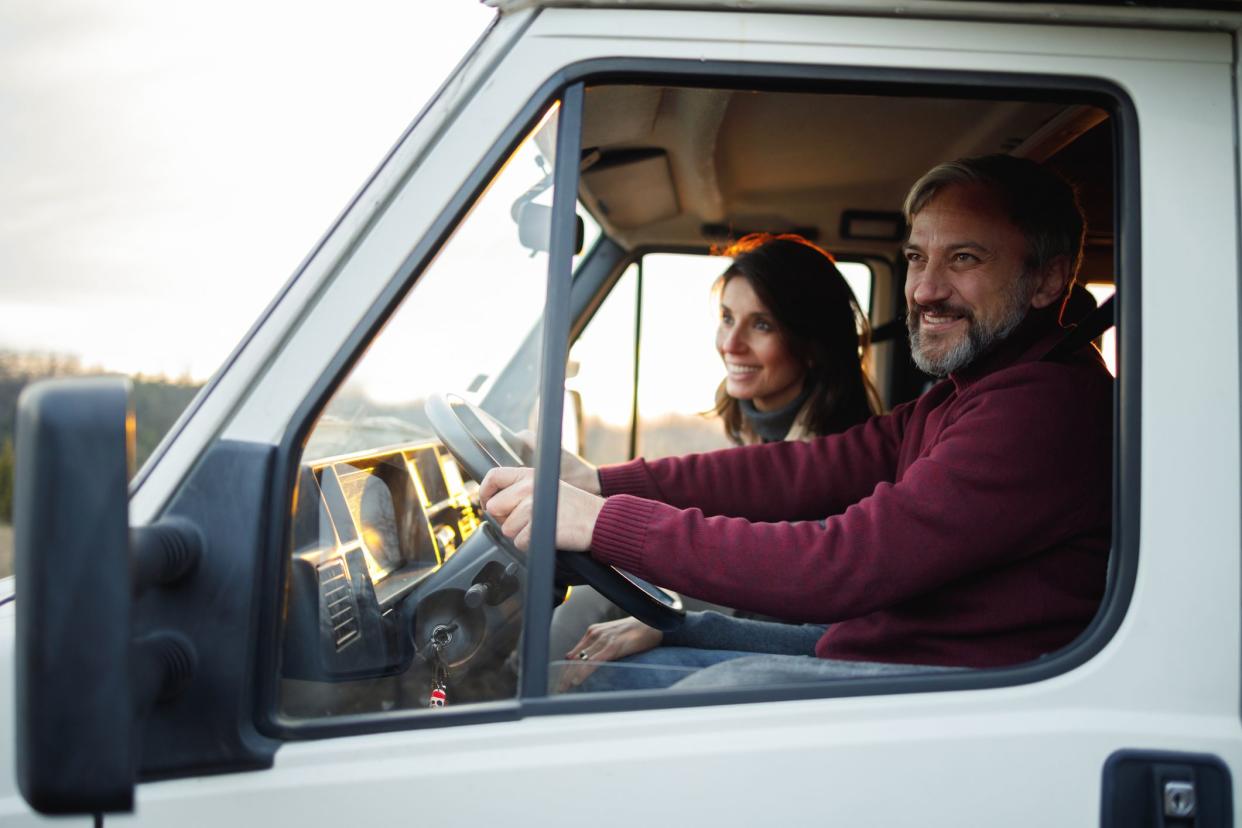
[(936, 320)]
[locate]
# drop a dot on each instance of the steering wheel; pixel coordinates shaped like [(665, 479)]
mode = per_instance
[(481, 443)]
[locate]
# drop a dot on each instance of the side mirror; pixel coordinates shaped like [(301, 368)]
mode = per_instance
[(534, 223), (83, 682)]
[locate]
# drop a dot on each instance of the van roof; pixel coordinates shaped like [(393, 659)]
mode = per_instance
[(1183, 14)]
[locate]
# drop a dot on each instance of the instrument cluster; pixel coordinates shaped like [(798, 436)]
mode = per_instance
[(367, 530)]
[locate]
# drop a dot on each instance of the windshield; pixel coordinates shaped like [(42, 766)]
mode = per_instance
[(465, 319), (396, 600)]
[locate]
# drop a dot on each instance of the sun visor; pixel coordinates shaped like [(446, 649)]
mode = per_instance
[(633, 188)]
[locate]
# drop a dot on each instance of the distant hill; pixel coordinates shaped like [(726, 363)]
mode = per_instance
[(350, 423), (158, 401)]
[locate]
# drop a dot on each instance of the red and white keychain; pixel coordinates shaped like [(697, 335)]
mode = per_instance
[(439, 686)]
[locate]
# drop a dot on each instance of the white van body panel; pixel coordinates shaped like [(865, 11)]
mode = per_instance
[(1057, 14)]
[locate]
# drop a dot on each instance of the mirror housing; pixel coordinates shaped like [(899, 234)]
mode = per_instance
[(534, 223), (84, 684), (75, 711)]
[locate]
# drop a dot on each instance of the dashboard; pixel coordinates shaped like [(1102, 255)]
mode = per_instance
[(388, 552)]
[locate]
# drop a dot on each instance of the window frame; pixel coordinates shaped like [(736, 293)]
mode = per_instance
[(588, 293)]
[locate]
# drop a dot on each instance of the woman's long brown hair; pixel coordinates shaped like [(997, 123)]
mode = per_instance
[(821, 322)]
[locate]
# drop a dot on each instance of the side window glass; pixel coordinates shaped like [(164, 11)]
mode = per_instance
[(679, 368), (1102, 292), (601, 368), (397, 600), (860, 278)]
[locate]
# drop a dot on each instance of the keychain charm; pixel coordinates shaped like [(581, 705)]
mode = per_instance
[(439, 688), (440, 637)]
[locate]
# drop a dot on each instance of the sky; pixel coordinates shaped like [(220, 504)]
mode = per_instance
[(166, 167)]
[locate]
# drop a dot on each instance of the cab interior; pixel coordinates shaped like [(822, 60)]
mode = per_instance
[(690, 169), (665, 169)]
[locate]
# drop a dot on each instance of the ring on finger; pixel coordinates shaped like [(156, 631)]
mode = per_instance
[(583, 655)]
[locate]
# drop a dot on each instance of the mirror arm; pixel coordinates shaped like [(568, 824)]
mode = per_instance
[(163, 553)]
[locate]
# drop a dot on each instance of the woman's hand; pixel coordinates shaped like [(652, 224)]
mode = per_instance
[(575, 471), (608, 641), (508, 495)]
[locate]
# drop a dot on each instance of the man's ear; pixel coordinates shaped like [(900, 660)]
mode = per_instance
[(1052, 282)]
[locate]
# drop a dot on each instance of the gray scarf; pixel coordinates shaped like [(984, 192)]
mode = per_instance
[(772, 426)]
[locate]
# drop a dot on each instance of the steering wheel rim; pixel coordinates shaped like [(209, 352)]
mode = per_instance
[(479, 442)]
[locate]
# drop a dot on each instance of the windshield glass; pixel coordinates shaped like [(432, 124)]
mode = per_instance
[(465, 319), (396, 600)]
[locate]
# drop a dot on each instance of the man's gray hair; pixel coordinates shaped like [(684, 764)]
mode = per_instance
[(1041, 204)]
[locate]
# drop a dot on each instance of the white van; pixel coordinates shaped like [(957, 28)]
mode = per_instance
[(308, 559)]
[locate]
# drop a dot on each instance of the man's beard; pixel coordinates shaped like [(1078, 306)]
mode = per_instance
[(980, 335)]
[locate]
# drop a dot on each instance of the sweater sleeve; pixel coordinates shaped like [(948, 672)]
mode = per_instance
[(1015, 468), (821, 476)]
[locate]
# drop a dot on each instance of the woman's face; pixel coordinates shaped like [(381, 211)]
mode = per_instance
[(759, 366)]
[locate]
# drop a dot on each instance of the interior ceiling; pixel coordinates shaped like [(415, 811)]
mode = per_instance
[(674, 161)]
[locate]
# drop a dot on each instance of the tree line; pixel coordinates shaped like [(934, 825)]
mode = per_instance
[(157, 401)]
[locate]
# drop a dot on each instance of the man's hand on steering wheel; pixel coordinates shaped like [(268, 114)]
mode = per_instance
[(508, 496), (488, 452)]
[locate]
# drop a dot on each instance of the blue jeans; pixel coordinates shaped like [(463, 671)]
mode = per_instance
[(762, 654), (687, 668), (652, 670)]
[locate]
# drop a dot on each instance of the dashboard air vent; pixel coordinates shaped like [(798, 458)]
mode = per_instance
[(336, 592)]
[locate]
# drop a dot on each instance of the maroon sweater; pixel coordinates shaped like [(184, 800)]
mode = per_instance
[(968, 527)]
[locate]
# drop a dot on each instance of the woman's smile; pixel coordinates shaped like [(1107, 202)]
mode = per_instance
[(758, 363)]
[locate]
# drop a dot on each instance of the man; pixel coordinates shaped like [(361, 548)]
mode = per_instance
[(968, 528)]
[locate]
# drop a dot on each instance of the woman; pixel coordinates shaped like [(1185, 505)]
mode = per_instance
[(792, 339)]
